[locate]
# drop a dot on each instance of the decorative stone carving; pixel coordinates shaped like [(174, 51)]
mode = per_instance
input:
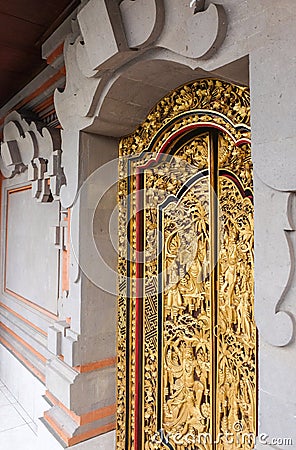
[(27, 146), (106, 44), (73, 105), (109, 38)]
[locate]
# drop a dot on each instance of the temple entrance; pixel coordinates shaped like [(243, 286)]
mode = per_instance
[(187, 343)]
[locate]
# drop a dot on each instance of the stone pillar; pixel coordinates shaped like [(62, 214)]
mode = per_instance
[(273, 75), (81, 379)]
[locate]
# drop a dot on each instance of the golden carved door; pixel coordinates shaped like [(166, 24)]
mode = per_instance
[(186, 333)]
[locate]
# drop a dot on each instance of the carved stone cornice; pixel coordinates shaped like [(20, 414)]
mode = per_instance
[(29, 147)]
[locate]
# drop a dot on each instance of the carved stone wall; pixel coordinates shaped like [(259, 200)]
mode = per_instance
[(122, 58)]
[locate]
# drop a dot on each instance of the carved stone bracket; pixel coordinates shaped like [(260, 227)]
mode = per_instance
[(28, 147), (112, 36)]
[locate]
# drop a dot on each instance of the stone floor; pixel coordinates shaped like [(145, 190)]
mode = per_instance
[(17, 431)]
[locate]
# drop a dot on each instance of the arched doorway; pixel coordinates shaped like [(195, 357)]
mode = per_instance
[(186, 333)]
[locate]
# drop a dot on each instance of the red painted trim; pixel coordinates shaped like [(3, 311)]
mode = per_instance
[(46, 85), (52, 80), (23, 342), (192, 127), (31, 304), (108, 362), (19, 316), (138, 300), (49, 113), (55, 54), (44, 105)]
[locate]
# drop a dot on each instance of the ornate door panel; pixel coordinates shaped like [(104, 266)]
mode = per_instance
[(186, 332)]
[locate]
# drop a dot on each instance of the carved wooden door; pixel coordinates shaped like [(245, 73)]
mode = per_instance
[(186, 332)]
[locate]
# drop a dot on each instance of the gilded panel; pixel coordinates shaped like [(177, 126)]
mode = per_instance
[(186, 333)]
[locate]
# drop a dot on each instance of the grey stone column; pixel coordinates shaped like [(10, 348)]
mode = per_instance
[(273, 112), (81, 379)]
